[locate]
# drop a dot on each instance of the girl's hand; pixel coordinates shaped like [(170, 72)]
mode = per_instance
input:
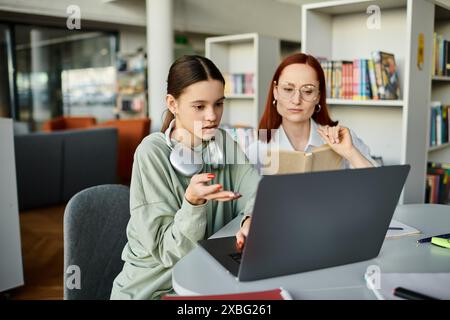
[(199, 191), (242, 234), (339, 139)]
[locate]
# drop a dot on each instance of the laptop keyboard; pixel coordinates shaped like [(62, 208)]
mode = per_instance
[(236, 256)]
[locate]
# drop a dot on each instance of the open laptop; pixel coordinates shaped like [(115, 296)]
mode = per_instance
[(309, 221)]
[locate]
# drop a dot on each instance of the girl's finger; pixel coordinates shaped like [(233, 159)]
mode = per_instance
[(205, 190), (223, 196), (240, 240), (202, 177)]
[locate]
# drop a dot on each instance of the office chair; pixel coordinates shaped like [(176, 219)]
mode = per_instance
[(95, 221)]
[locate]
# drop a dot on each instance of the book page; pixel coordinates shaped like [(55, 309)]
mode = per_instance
[(285, 162)]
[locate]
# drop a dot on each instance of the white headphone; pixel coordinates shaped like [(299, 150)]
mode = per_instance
[(189, 162)]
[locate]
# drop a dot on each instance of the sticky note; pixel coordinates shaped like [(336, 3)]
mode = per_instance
[(442, 242)]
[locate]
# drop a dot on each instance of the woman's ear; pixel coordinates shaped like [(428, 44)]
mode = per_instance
[(275, 92), (171, 103)]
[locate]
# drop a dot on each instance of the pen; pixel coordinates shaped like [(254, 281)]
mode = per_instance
[(411, 295), (445, 236), (395, 228)]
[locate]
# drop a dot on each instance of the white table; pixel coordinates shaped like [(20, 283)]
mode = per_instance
[(200, 274)]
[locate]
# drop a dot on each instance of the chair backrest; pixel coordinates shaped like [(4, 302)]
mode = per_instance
[(95, 221), (68, 123), (131, 133)]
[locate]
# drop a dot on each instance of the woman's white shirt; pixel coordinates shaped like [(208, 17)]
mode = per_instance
[(257, 151)]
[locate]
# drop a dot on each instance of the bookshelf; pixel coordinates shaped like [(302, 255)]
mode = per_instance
[(440, 78), (396, 130), (440, 85), (440, 147), (245, 54), (367, 103), (131, 85)]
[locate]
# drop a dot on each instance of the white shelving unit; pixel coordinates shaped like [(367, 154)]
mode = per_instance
[(395, 130), (245, 53), (440, 85), (372, 103), (131, 99)]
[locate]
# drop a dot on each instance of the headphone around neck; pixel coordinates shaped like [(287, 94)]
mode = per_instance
[(187, 161)]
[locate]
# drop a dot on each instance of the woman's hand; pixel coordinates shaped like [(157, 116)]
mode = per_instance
[(242, 234), (340, 140), (199, 190)]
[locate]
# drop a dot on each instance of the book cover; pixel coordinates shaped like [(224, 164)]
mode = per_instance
[(373, 79), (322, 158), (356, 80), (389, 76), (349, 79), (338, 79), (447, 58), (365, 80), (274, 294), (433, 56), (376, 56), (249, 88), (330, 77)]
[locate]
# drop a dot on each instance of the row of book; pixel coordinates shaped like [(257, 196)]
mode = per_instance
[(362, 79), (243, 135), (441, 56), (239, 83), (438, 186), (439, 124)]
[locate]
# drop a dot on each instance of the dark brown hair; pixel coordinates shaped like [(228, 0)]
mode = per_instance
[(271, 119), (185, 71)]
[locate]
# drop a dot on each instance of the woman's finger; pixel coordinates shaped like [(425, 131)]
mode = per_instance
[(324, 136), (335, 133)]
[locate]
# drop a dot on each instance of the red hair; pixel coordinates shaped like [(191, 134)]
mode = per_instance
[(271, 119)]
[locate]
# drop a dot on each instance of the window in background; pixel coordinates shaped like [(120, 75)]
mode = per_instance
[(64, 72), (5, 72)]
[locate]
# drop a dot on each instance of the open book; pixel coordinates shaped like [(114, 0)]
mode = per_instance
[(321, 158)]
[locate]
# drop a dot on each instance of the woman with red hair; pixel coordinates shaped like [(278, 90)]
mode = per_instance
[(296, 118), (296, 115)]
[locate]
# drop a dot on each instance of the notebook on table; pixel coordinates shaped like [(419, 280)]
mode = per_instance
[(274, 294)]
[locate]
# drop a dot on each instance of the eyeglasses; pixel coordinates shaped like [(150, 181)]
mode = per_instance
[(308, 92)]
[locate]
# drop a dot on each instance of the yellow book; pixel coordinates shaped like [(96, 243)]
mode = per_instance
[(321, 158)]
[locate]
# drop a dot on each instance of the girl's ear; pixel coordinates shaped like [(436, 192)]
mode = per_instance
[(171, 104)]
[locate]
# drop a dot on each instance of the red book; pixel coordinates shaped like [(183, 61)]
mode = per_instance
[(275, 294)]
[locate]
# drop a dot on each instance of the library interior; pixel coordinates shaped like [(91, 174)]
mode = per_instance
[(92, 188)]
